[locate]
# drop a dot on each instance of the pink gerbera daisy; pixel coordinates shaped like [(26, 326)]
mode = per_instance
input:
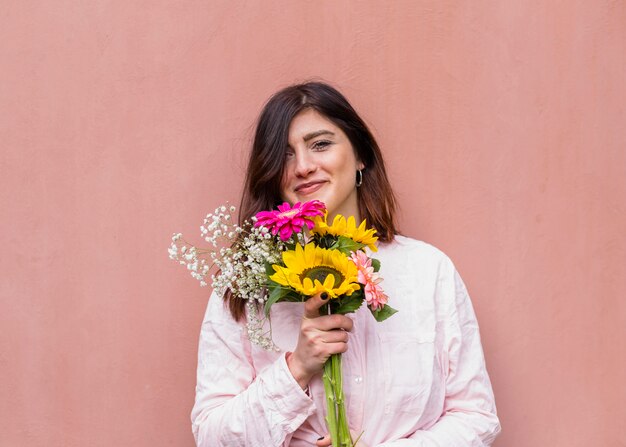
[(374, 295), (288, 220)]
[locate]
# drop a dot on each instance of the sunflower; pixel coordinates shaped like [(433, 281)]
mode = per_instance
[(311, 270), (346, 227)]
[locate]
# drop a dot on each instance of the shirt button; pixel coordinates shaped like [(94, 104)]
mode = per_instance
[(358, 380)]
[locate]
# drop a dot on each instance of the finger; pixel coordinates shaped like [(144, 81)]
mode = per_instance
[(335, 336), (313, 304), (333, 322), (334, 348), (324, 441)]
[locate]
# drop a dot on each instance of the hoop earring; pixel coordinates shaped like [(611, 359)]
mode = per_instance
[(359, 178)]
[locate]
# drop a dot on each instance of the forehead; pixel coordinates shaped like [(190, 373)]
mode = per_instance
[(309, 121)]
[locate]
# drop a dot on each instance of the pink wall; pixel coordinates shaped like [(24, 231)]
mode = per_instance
[(121, 122)]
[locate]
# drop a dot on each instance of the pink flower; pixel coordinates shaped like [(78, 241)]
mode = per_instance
[(374, 294), (288, 220)]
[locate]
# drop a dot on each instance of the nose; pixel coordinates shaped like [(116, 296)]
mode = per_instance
[(304, 165)]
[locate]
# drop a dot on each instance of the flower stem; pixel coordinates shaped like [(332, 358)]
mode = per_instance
[(336, 417), (331, 415)]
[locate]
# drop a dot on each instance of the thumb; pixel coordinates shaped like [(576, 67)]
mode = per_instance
[(313, 304), (324, 441)]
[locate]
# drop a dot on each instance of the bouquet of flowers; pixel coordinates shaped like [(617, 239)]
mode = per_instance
[(291, 254)]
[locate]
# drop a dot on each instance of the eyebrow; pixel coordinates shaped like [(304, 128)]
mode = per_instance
[(317, 133)]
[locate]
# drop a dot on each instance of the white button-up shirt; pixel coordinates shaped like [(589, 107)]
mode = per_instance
[(416, 379)]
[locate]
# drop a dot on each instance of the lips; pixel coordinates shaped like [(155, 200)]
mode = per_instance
[(309, 187)]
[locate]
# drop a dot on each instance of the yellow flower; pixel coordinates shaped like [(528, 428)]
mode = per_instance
[(311, 270), (346, 227)]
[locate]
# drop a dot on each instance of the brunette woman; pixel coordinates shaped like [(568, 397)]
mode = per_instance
[(416, 379)]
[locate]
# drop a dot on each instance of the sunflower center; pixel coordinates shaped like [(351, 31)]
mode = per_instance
[(321, 272)]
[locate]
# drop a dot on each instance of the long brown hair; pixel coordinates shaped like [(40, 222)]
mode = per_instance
[(261, 192)]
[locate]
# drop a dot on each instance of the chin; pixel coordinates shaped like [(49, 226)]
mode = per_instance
[(312, 197), (325, 202)]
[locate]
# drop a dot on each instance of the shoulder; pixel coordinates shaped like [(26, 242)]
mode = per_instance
[(217, 311), (412, 252)]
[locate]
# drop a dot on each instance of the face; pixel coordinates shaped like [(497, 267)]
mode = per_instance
[(320, 164)]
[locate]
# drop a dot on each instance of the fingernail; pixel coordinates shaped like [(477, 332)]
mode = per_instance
[(324, 295)]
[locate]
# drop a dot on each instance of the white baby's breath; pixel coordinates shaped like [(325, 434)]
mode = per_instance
[(238, 257)]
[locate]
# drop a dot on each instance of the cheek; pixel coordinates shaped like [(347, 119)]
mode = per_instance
[(284, 183), (348, 170), (348, 162)]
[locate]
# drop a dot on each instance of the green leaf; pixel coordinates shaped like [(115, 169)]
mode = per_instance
[(294, 297), (375, 264), (384, 313), (269, 269), (326, 241), (348, 304), (277, 293), (346, 245), (290, 246)]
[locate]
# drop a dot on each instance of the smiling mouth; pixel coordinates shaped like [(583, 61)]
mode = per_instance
[(308, 188)]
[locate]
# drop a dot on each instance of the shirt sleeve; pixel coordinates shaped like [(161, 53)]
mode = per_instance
[(469, 416), (235, 404)]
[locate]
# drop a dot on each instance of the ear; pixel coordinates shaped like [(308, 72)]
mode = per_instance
[(360, 165)]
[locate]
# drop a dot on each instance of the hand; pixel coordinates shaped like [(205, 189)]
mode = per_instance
[(320, 337), (325, 441)]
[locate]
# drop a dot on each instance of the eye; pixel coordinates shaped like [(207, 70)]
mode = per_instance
[(289, 154), (321, 144)]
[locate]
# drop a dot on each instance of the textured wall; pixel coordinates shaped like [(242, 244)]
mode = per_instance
[(503, 124)]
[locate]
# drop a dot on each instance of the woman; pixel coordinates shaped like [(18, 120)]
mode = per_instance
[(416, 379)]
